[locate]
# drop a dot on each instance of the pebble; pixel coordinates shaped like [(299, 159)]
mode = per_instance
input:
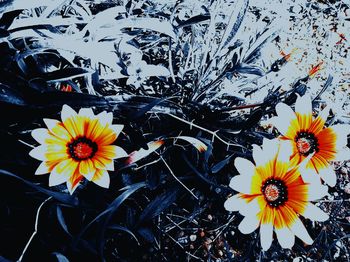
[(193, 237), (347, 188), (343, 170)]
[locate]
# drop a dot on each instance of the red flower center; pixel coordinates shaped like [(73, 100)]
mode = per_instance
[(271, 192), (275, 192), (82, 148), (306, 143), (303, 145)]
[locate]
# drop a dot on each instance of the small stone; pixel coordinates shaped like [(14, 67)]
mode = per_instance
[(193, 237), (210, 217), (347, 188), (343, 170), (298, 259)]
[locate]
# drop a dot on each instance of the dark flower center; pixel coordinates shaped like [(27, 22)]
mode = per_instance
[(82, 148), (275, 192), (306, 143)]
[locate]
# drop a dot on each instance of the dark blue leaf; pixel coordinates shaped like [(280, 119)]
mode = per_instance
[(60, 257), (61, 220), (250, 69), (217, 167), (124, 229), (159, 204), (62, 197), (147, 234)]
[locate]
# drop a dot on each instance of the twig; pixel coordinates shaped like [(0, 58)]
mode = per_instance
[(176, 242), (147, 164), (171, 63), (213, 133), (178, 180), (35, 229), (225, 226)]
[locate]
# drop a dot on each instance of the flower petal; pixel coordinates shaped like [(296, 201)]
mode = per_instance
[(303, 109), (251, 208), (40, 134), (111, 152), (286, 122), (234, 203), (241, 184), (101, 178), (244, 166), (328, 175), (248, 224), (266, 234), (316, 191), (67, 112), (87, 169), (314, 213), (318, 124), (303, 105), (62, 172), (74, 181), (267, 152), (105, 118), (285, 237), (285, 151), (342, 154), (57, 129), (142, 153), (39, 153), (300, 231), (342, 131), (199, 145), (87, 112), (44, 168), (117, 129)]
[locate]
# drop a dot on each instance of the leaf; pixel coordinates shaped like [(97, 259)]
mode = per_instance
[(103, 18), (114, 205), (61, 219), (142, 153), (147, 234), (199, 145), (218, 166), (194, 20), (261, 40), (153, 24), (60, 257), (62, 197), (143, 110), (124, 229), (235, 22), (8, 17), (250, 69), (154, 70), (2, 259), (159, 204), (11, 96)]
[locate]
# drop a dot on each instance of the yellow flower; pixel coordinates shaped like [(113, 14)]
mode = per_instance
[(308, 136), (272, 195), (78, 147)]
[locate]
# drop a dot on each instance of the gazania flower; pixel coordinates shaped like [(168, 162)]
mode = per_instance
[(308, 136), (78, 147), (272, 195)]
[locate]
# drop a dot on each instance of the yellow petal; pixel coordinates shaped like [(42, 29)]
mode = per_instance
[(101, 178), (87, 169)]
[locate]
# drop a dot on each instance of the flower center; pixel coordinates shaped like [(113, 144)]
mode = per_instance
[(306, 143), (82, 148), (275, 192), (271, 192)]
